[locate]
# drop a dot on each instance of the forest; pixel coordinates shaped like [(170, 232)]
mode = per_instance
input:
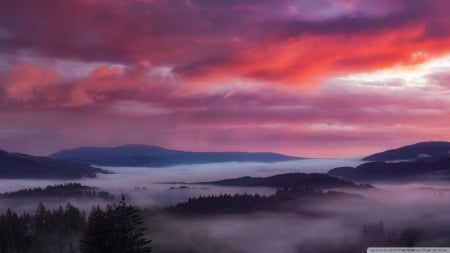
[(116, 228), (121, 228), (66, 190), (284, 200)]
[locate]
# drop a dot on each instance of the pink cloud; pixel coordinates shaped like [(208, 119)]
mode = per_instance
[(26, 83), (176, 73), (263, 40), (123, 106)]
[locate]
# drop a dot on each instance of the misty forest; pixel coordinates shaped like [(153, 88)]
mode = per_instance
[(395, 198), (224, 126)]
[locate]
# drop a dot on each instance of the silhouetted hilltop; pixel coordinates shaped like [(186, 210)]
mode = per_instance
[(68, 190), (16, 165), (290, 180), (412, 152), (403, 171), (290, 200), (146, 155)]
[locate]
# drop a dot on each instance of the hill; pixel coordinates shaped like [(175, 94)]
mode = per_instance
[(68, 190), (292, 200), (290, 180), (16, 165), (412, 152), (146, 155), (398, 171)]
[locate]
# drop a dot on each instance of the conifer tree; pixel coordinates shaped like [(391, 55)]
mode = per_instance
[(117, 230)]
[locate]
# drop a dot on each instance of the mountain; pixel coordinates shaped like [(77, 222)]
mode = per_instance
[(412, 152), (290, 180), (146, 155), (422, 169), (15, 165)]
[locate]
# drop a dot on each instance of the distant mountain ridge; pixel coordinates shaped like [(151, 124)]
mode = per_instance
[(16, 165), (412, 152), (417, 170), (416, 162), (148, 155)]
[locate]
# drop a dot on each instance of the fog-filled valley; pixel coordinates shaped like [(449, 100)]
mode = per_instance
[(384, 217), (184, 216), (158, 186)]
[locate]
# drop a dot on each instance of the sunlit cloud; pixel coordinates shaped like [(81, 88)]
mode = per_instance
[(297, 77), (404, 77)]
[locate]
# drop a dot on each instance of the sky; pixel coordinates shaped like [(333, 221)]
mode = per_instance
[(309, 78)]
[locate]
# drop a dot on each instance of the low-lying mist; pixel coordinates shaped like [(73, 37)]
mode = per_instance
[(416, 214), (391, 215), (146, 187)]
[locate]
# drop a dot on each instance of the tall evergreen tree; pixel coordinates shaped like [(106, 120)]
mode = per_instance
[(96, 238), (117, 230)]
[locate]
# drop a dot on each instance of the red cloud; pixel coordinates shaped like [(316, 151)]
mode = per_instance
[(192, 42), (264, 40), (26, 83), (41, 87)]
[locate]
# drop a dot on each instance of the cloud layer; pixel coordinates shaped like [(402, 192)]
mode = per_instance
[(222, 75)]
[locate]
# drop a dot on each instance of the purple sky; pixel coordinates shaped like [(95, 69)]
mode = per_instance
[(309, 78)]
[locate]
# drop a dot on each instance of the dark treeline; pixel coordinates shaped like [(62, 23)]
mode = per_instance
[(68, 190), (222, 204), (283, 200), (289, 180), (44, 231), (117, 228)]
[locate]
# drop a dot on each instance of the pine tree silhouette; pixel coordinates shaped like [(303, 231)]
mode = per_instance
[(117, 230)]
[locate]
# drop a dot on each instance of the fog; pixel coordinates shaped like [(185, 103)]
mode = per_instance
[(146, 187), (414, 212), (216, 171)]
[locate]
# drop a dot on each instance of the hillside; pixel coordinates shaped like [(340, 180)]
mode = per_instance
[(290, 180), (68, 190), (412, 152), (399, 171), (16, 165), (281, 201), (145, 155)]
